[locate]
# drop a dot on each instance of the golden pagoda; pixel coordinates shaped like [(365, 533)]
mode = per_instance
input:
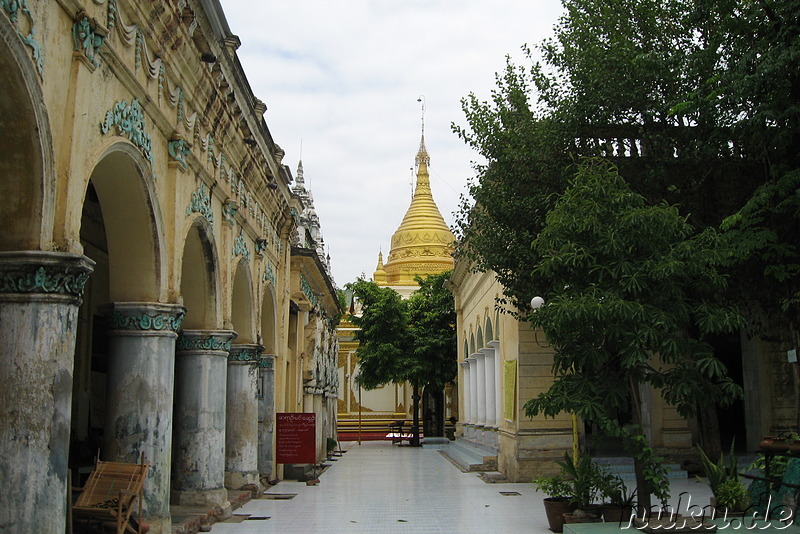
[(423, 243)]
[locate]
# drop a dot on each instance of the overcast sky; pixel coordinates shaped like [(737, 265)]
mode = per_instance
[(341, 79)]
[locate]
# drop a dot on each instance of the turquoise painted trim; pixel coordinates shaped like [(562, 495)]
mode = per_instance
[(240, 247), (245, 355), (307, 290), (204, 343), (44, 279), (269, 275), (156, 322), (129, 120), (229, 209), (201, 203), (13, 8), (178, 150), (86, 41)]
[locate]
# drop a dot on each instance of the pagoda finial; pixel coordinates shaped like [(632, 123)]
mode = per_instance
[(422, 153)]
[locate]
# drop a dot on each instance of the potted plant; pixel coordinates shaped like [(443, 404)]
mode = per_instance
[(730, 495), (618, 503), (558, 499), (585, 478), (788, 445)]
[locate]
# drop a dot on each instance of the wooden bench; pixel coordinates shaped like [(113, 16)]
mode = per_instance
[(111, 493), (396, 431)]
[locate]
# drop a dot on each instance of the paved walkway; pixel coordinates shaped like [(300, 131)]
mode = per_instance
[(380, 488)]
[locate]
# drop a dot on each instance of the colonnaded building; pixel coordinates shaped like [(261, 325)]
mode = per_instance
[(422, 245), (503, 363), (163, 285)]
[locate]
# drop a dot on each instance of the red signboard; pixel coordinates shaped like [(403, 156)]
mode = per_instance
[(296, 438)]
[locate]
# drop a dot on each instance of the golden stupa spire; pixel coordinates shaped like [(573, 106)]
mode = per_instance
[(423, 242), (379, 277)]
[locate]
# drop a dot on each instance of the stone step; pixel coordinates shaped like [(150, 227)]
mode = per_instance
[(485, 449), (468, 458), (493, 477)]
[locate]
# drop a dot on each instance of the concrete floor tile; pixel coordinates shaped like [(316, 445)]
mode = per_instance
[(379, 488)]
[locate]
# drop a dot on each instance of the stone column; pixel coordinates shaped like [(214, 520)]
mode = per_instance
[(266, 414), (481, 384), (491, 407), (498, 380), (198, 460), (466, 414), (473, 394), (141, 380), (241, 424), (39, 297)]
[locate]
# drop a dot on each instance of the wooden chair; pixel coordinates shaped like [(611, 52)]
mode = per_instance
[(110, 494)]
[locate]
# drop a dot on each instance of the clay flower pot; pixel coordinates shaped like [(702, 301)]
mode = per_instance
[(775, 445), (582, 516), (555, 508), (617, 513)]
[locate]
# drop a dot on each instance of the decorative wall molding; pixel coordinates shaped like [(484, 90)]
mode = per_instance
[(143, 319), (229, 209), (240, 246), (245, 354), (13, 8), (129, 120), (87, 38), (178, 150), (261, 246), (307, 290), (205, 341), (201, 203), (27, 274), (269, 275)]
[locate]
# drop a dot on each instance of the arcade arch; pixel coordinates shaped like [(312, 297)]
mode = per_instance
[(242, 303), (199, 281), (27, 177), (124, 362)]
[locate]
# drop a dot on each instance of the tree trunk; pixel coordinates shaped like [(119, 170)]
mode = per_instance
[(642, 488), (708, 430), (415, 425)]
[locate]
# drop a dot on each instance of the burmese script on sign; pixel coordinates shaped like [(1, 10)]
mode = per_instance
[(296, 438)]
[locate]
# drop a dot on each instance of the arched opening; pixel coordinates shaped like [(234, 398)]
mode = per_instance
[(489, 330), (480, 344), (198, 431), (37, 333), (134, 255), (266, 384), (471, 344), (198, 278), (241, 420), (242, 304), (118, 231), (26, 173), (269, 325)]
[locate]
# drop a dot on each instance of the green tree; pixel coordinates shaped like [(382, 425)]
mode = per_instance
[(385, 343), (410, 341), (636, 81), (632, 291), (697, 104), (432, 321)]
